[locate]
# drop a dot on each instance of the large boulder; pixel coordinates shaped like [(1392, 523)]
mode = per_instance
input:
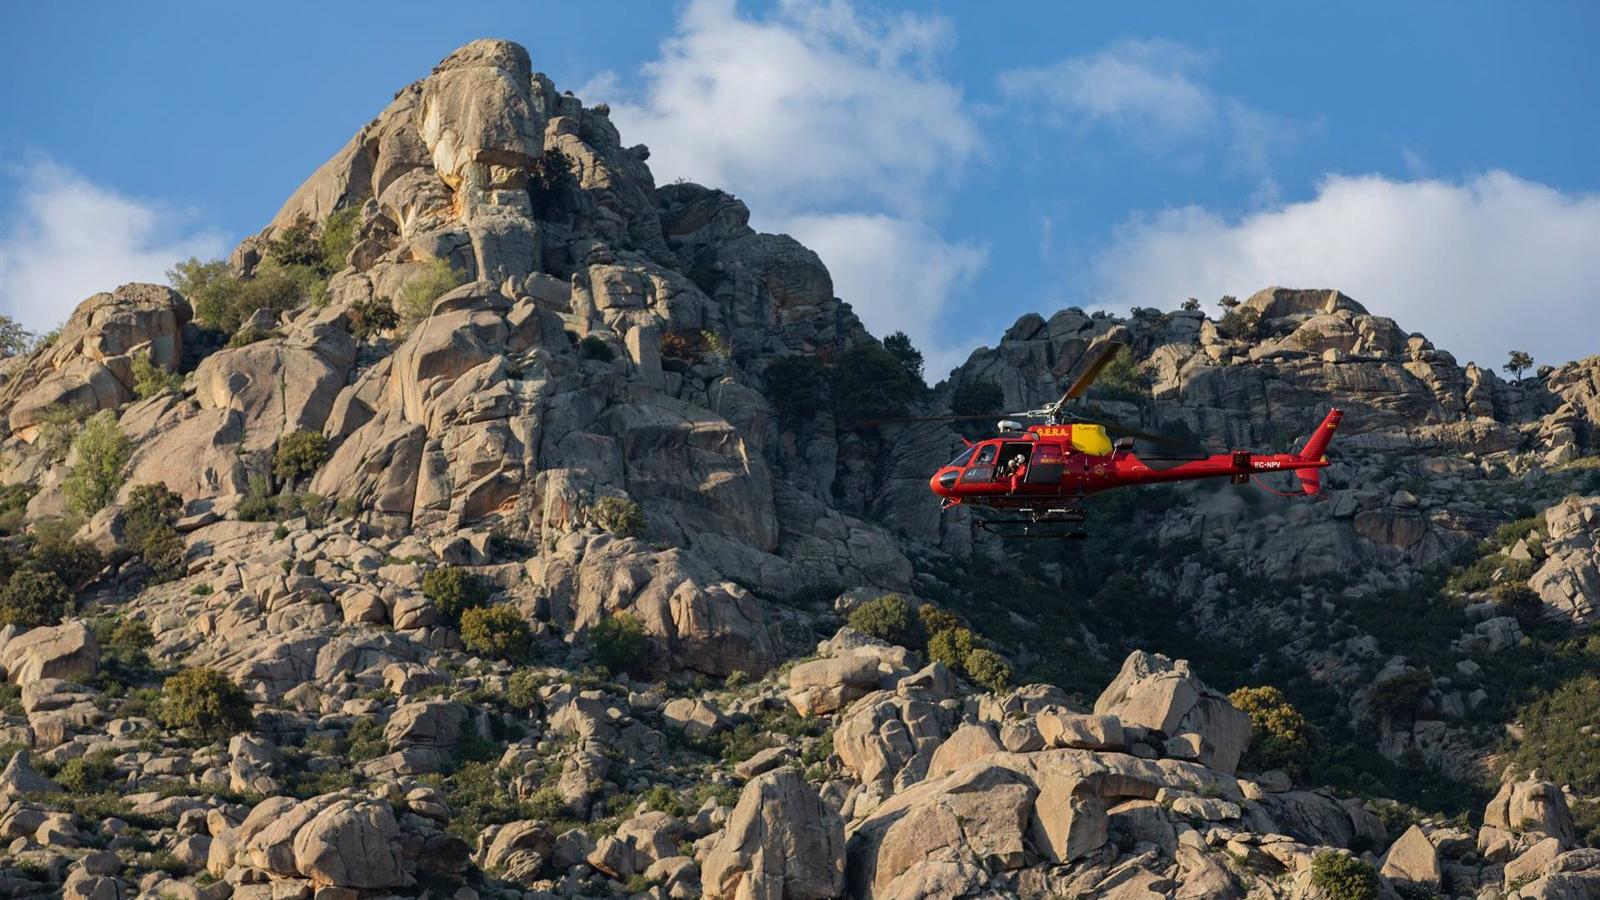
[(1568, 581), (351, 844), (1161, 694), (887, 740), (1531, 806), (89, 366), (1412, 860), (822, 686), (67, 651), (781, 843)]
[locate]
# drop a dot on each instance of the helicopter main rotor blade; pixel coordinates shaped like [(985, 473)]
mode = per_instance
[(1106, 355), (906, 420)]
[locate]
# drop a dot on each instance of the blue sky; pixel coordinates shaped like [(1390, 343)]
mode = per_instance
[(956, 164)]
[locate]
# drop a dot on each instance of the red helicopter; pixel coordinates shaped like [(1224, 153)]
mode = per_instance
[(1043, 472)]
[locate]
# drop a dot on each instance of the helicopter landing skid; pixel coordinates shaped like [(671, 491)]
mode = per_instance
[(1066, 524)]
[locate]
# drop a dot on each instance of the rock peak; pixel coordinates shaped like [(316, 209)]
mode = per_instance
[(489, 52)]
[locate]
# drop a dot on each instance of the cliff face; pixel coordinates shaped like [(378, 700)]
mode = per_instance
[(534, 413)]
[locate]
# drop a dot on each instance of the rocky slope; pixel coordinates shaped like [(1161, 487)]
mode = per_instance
[(535, 582)]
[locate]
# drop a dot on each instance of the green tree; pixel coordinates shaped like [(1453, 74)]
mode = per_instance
[(951, 647), (101, 451), (14, 339), (338, 237), (1228, 301), (453, 591), (147, 521), (977, 398), (798, 389), (210, 288), (987, 668), (300, 453), (1191, 304), (899, 345), (620, 643), (205, 702), (498, 631), (150, 379), (887, 618), (33, 597), (371, 317), (1519, 362), (869, 382), (550, 180), (426, 285), (1241, 324), (1281, 738), (618, 515), (1341, 876), (296, 244)]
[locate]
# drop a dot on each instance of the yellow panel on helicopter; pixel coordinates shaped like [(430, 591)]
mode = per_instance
[(1090, 439)]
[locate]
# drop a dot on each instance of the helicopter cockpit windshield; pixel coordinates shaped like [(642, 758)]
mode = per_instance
[(961, 460)]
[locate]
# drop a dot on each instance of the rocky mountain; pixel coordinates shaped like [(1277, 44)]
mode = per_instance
[(496, 523)]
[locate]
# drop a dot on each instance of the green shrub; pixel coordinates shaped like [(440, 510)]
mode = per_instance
[(798, 389), (550, 179), (1558, 738), (150, 379), (899, 346), (1120, 380), (300, 453), (869, 382), (951, 647), (14, 505), (102, 450), (594, 347), (338, 237), (1240, 324), (210, 288), (1399, 694), (496, 631), (620, 643), (295, 244), (53, 547), (34, 597), (1343, 877), (126, 641), (522, 689), (425, 286), (205, 702), (147, 522), (87, 774), (1281, 738), (15, 340), (618, 515), (453, 591), (935, 619), (371, 317), (887, 618), (977, 398), (987, 668), (271, 290)]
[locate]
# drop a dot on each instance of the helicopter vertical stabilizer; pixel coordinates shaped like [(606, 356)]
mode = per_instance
[(1311, 479)]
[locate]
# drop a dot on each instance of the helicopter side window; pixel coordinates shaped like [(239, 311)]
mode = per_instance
[(982, 468), (1012, 460)]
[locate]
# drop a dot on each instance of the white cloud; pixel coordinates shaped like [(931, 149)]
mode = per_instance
[(810, 108), (1152, 95), (1142, 84), (1492, 263), (835, 127), (897, 276), (67, 238)]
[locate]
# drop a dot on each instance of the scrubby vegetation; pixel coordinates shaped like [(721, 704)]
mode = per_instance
[(426, 285), (150, 379), (147, 521), (205, 702), (619, 643), (1559, 735), (1281, 738), (1340, 876), (33, 597), (887, 618), (101, 452), (497, 631), (618, 515), (371, 317), (453, 591), (300, 453)]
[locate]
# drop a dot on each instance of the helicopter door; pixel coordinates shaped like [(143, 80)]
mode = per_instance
[(1046, 465), (982, 468)]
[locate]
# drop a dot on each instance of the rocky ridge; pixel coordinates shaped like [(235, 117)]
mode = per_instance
[(597, 426)]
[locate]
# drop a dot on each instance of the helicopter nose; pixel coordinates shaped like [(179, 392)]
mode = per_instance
[(944, 482)]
